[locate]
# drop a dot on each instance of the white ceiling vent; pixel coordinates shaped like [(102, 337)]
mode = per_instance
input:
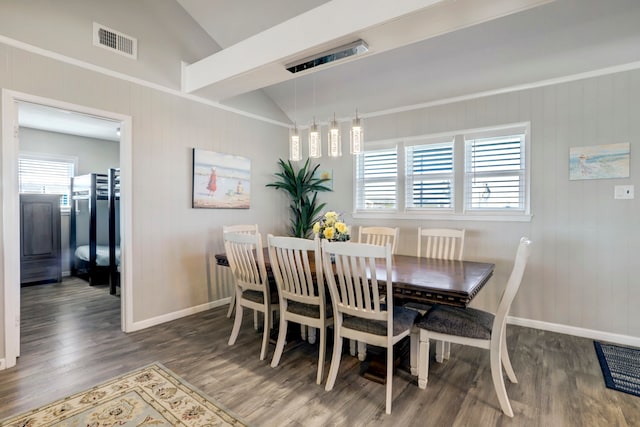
[(115, 41)]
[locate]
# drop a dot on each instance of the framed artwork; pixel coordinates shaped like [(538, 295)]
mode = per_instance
[(325, 174), (599, 161), (220, 181)]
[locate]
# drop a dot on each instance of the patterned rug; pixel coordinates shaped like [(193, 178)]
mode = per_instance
[(620, 367), (150, 396)]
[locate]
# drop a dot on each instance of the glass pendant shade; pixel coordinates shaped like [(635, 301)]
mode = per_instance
[(295, 150), (356, 136), (334, 146), (315, 147)]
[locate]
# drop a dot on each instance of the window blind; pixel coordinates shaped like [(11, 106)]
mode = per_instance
[(430, 179), (376, 183), (42, 176), (495, 171)]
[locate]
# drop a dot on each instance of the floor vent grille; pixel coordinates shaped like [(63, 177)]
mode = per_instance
[(115, 41)]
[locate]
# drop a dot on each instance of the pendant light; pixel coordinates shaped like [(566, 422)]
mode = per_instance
[(357, 136), (315, 146), (295, 150), (334, 146)]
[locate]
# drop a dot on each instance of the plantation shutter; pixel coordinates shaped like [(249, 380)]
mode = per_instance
[(495, 173), (377, 174), (40, 176), (430, 179)]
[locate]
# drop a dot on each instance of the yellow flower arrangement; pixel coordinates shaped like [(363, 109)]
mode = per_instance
[(331, 227)]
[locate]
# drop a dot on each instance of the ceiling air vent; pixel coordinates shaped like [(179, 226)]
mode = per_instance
[(115, 41), (336, 54)]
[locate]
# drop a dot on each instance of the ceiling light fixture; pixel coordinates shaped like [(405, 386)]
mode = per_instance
[(295, 150), (334, 145), (326, 57), (315, 146), (357, 136)]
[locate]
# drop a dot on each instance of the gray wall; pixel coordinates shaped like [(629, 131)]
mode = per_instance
[(582, 271), (94, 155)]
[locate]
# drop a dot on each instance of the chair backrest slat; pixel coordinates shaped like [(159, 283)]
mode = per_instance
[(240, 228), (355, 278), (292, 269), (441, 243), (244, 252), (380, 236)]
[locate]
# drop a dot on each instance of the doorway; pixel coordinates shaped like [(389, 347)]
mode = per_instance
[(11, 102)]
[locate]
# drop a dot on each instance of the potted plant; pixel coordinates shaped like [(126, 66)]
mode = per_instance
[(302, 188)]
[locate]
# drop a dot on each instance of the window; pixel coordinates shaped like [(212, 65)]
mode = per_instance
[(494, 173), (44, 174), (430, 179), (376, 180), (472, 174)]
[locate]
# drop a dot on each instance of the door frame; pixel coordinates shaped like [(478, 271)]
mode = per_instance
[(10, 245)]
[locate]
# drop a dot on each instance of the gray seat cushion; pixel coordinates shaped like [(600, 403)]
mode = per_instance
[(257, 296), (308, 310), (403, 320), (462, 322)]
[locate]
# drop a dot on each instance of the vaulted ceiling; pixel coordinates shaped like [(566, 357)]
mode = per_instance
[(419, 51)]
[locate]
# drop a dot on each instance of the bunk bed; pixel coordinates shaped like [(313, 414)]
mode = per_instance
[(95, 256), (114, 229)]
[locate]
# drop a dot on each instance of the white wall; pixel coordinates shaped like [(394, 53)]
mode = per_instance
[(171, 241), (583, 270)]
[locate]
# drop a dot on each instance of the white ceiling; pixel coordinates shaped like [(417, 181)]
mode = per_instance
[(451, 49), (548, 41), (69, 122)]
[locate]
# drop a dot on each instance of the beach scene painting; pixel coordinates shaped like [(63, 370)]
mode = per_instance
[(221, 181), (599, 161)]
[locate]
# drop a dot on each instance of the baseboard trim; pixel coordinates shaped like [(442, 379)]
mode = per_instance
[(3, 365), (575, 331), (143, 324)]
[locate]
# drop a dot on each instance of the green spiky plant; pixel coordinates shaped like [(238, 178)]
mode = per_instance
[(302, 188)]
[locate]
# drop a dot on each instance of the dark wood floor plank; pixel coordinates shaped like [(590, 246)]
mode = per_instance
[(71, 340)]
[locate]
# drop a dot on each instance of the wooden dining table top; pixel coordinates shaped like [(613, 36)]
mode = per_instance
[(426, 280)]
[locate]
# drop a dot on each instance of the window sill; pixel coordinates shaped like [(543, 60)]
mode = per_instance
[(443, 216)]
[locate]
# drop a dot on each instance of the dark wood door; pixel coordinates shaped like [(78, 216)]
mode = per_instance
[(40, 238)]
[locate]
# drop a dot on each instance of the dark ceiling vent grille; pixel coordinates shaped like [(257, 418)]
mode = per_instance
[(342, 52), (115, 41)]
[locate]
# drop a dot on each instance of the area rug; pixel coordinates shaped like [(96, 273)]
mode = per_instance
[(150, 396), (620, 367)]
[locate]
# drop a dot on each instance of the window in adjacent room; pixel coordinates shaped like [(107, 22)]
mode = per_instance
[(46, 174)]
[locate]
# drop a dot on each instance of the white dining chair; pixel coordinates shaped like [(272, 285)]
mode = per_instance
[(252, 289), (380, 236), (476, 328), (358, 311), (297, 268), (243, 229), (439, 243)]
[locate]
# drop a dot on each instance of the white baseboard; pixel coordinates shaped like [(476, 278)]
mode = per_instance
[(143, 324), (576, 331), (3, 365)]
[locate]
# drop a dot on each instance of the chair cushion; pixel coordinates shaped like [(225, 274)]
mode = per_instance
[(308, 310), (257, 296), (403, 320), (462, 322)]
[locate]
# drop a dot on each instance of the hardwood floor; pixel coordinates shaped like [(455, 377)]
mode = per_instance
[(71, 340)]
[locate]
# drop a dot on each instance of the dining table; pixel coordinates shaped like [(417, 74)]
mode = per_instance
[(425, 280), (417, 280)]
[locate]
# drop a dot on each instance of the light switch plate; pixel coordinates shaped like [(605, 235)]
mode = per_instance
[(623, 192)]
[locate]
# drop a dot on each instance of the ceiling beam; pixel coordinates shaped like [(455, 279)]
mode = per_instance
[(260, 60)]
